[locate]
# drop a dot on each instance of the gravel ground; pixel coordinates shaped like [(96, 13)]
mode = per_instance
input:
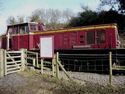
[(91, 77), (12, 80)]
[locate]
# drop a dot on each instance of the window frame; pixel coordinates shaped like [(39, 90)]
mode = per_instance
[(87, 39), (20, 30), (25, 26), (33, 29), (96, 36), (101, 36), (14, 30)]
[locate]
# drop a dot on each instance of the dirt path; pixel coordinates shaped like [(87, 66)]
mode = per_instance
[(12, 80)]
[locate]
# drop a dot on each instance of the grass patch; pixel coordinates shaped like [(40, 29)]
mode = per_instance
[(27, 72), (46, 84), (53, 81)]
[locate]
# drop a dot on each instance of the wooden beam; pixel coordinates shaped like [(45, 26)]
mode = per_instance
[(118, 69), (57, 66), (13, 71), (53, 67), (45, 68), (41, 66), (17, 65), (13, 57), (12, 60), (1, 63), (110, 66), (5, 65), (30, 58), (31, 52), (13, 51), (62, 67), (34, 62), (47, 62), (22, 59), (37, 60)]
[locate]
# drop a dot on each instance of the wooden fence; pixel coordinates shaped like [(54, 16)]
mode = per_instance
[(14, 61), (113, 68), (34, 59), (11, 61)]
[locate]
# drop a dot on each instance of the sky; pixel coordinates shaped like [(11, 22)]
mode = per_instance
[(25, 7)]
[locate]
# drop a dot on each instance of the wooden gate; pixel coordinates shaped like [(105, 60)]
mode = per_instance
[(14, 61)]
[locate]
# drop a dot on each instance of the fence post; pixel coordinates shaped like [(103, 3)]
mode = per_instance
[(23, 61), (57, 66), (34, 62), (53, 66), (37, 60), (5, 66), (25, 55), (1, 62), (110, 66), (42, 66), (62, 67)]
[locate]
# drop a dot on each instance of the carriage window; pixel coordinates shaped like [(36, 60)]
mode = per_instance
[(10, 30), (90, 37), (22, 29), (33, 27), (16, 30), (27, 29), (101, 37), (40, 28)]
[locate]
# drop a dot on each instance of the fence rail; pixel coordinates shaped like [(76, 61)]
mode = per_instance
[(29, 54), (11, 62)]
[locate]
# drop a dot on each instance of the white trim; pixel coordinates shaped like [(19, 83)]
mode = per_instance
[(24, 23)]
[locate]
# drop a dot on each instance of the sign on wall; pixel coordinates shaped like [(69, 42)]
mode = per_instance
[(47, 46)]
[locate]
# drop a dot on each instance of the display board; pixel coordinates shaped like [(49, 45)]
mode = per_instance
[(47, 46)]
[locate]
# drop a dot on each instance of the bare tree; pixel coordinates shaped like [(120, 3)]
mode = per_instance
[(67, 15), (33, 18), (112, 3), (20, 18), (53, 18), (41, 13), (11, 20), (37, 15), (85, 7), (46, 16)]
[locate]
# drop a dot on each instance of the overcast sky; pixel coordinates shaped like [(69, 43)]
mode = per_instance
[(25, 7)]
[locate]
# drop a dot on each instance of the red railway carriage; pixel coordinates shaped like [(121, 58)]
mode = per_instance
[(27, 35)]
